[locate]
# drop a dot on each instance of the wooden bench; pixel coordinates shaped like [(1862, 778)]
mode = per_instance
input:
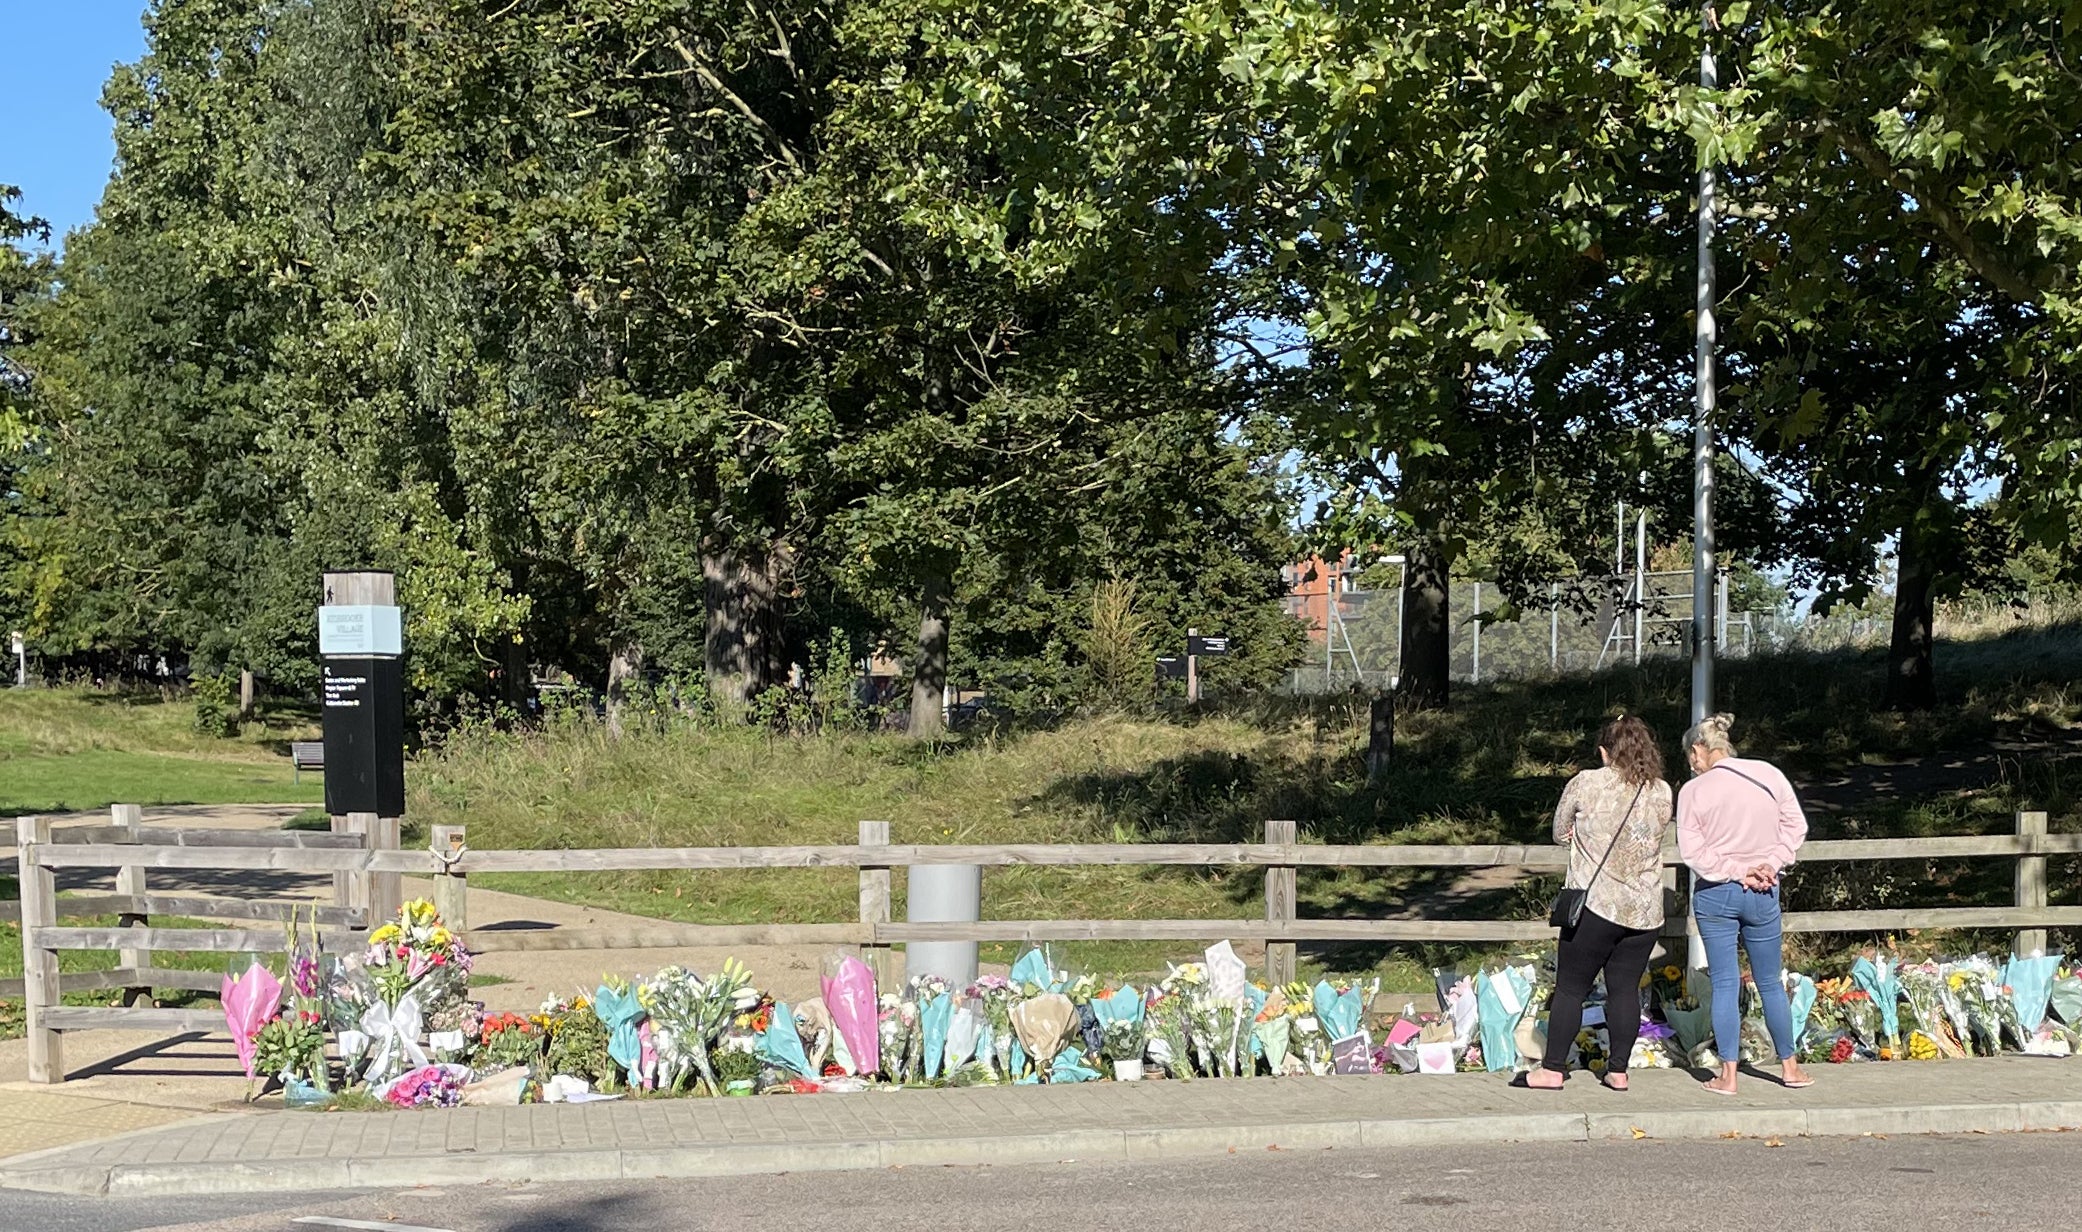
[(305, 755)]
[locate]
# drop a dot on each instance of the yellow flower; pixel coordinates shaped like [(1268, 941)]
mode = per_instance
[(385, 934), (441, 938), (1672, 972)]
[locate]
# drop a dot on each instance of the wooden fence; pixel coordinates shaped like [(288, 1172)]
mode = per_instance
[(361, 860)]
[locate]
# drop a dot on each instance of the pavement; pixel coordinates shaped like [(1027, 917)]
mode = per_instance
[(1825, 1184), (308, 1152)]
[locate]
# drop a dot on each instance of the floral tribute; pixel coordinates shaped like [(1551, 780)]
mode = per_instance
[(395, 1022)]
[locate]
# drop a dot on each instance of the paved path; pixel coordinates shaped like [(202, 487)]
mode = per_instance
[(298, 1151)]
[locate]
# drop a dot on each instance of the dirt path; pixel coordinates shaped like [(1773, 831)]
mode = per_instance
[(1947, 772)]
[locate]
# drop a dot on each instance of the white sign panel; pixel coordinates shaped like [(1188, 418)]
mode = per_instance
[(360, 629)]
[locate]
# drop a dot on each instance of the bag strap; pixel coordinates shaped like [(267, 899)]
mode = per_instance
[(1759, 784), (1617, 831)]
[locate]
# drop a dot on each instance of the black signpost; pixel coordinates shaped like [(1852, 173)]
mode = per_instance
[(361, 646), (364, 736), (1171, 667), (1198, 647)]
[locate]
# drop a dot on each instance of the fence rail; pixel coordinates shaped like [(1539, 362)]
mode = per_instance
[(366, 856)]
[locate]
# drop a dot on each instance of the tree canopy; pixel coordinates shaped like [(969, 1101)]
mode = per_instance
[(669, 337)]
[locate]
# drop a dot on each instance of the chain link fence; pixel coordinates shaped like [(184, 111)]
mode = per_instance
[(1582, 625)]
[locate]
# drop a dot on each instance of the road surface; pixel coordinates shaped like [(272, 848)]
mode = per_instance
[(1980, 1181)]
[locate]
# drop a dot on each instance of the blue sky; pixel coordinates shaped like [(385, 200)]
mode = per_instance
[(55, 142)]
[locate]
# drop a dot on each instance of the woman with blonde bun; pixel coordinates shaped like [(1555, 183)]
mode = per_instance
[(1738, 827)]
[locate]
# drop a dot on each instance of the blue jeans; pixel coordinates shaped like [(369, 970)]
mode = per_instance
[(1728, 913)]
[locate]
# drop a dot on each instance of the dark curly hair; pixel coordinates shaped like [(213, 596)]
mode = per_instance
[(1631, 747)]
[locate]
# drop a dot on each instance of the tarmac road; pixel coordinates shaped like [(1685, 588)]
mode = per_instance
[(1838, 1184)]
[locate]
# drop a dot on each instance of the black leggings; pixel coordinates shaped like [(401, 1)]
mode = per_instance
[(1597, 944)]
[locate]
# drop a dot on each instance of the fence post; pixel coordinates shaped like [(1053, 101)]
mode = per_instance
[(1677, 913), (2031, 882), (130, 879), (39, 889), (348, 888), (874, 907), (1279, 903), (386, 890), (451, 884)]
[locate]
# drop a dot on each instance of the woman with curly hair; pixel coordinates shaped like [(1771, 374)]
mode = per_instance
[(1612, 819)]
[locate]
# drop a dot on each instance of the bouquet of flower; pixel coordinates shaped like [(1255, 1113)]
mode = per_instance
[(1652, 1047), (1922, 990), (997, 997), (577, 1045), (1966, 989), (1756, 1045), (1123, 1033), (292, 1045), (416, 953), (894, 1035), (688, 1015), (429, 1086), (1879, 977), (1170, 1031), (1689, 1011), (454, 1029), (1861, 1017), (507, 1040)]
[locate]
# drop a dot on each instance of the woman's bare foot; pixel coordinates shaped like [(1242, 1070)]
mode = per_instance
[(1617, 1082), (1794, 1076), (1725, 1084), (1544, 1079)]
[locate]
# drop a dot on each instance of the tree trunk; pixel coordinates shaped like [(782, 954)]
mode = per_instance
[(515, 680), (744, 647), (1427, 635), (1910, 682), (624, 666), (1380, 735), (929, 675), (246, 694)]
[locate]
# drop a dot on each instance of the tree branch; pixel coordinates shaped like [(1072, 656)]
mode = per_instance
[(707, 74), (1997, 272)]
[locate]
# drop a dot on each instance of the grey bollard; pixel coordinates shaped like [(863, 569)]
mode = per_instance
[(944, 893)]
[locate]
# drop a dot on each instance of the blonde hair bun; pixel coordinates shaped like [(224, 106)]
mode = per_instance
[(1711, 734)]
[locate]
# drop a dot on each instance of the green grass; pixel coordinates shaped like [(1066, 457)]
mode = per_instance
[(65, 750), (11, 1020), (1488, 770)]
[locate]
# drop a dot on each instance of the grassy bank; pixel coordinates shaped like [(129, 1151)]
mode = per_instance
[(1488, 770), (64, 750)]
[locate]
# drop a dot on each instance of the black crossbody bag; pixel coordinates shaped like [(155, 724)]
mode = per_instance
[(1568, 905)]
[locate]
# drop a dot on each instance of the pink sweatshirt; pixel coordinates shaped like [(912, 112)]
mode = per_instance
[(1738, 815)]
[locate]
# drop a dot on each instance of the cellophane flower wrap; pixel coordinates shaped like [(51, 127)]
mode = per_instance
[(1122, 1034), (417, 954), (850, 998), (935, 1002), (688, 1015), (994, 996), (429, 1086), (894, 1036), (1170, 1033), (1878, 975), (1922, 993)]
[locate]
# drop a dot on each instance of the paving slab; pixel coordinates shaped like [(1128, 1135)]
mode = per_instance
[(628, 1140)]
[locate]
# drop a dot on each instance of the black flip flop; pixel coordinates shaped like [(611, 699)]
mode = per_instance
[(1518, 1080)]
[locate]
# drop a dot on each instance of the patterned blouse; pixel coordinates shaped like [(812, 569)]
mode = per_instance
[(1593, 807)]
